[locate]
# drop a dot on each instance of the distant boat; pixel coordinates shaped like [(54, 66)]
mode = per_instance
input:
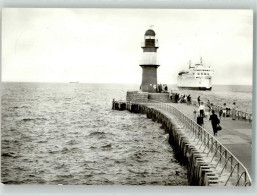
[(74, 82), (198, 77)]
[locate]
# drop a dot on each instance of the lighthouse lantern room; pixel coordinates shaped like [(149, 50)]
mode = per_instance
[(149, 62)]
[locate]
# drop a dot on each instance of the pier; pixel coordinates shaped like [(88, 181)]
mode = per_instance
[(236, 135), (213, 161)]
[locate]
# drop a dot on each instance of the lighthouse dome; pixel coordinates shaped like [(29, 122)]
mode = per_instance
[(149, 32)]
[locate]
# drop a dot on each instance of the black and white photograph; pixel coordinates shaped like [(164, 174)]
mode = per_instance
[(115, 96)]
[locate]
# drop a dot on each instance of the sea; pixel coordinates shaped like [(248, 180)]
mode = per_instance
[(67, 133)]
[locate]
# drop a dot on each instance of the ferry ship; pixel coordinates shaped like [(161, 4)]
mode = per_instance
[(198, 77)]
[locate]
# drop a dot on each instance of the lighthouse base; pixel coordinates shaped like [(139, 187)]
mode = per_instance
[(138, 96)]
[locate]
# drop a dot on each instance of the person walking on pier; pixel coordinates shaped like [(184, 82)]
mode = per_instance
[(199, 100), (201, 110), (234, 111), (209, 108), (166, 88), (188, 99), (224, 111), (214, 122), (208, 104), (185, 99), (176, 98)]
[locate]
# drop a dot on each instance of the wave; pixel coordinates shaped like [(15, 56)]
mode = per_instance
[(72, 142), (28, 119), (96, 133), (53, 151), (34, 119), (18, 107), (60, 166), (42, 141), (107, 146), (10, 154)]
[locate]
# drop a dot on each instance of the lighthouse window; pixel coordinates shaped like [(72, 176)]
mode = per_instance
[(149, 43), (201, 73), (204, 73)]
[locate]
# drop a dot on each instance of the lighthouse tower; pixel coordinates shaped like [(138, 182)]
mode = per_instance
[(149, 62)]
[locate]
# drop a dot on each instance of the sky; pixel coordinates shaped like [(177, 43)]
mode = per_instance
[(104, 45)]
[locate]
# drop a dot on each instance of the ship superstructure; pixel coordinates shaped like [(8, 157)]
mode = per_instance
[(197, 77)]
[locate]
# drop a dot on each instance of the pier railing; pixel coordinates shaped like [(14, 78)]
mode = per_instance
[(239, 114), (211, 147)]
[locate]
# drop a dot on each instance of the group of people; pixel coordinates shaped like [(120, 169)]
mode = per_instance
[(213, 117), (215, 120), (226, 112), (181, 98), (162, 88)]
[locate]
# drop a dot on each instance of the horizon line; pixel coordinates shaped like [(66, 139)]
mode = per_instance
[(101, 83)]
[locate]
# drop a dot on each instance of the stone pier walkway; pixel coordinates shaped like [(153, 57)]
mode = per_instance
[(236, 135)]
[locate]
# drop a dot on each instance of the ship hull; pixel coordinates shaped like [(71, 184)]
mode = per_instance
[(195, 88), (192, 83)]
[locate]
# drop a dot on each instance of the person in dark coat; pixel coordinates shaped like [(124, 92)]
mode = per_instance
[(199, 120), (176, 98), (166, 88), (199, 100), (189, 99), (214, 122)]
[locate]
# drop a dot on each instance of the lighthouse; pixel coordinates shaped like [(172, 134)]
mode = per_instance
[(149, 62)]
